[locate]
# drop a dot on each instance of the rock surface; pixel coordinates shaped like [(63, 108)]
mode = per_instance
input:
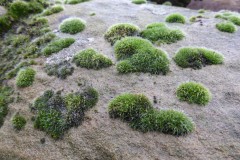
[(217, 134)]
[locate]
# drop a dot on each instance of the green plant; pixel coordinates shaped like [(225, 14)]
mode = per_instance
[(140, 114), (72, 26), (193, 92), (74, 1), (20, 39), (197, 57), (226, 27), (176, 18), (201, 11), (35, 6), (167, 3), (154, 61), (52, 10), (118, 31), (159, 32), (3, 109), (5, 23), (129, 46), (139, 1), (90, 59), (57, 46), (25, 77), (61, 70), (235, 20), (57, 113), (193, 19), (19, 9), (18, 122)]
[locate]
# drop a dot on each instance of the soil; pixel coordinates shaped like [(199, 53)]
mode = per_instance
[(217, 133)]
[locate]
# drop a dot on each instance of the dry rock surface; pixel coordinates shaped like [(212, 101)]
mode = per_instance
[(217, 133)]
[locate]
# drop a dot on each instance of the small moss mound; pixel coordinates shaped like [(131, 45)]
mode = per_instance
[(119, 31), (197, 58), (3, 109), (140, 114), (159, 32), (139, 1), (18, 122), (57, 46), (72, 26), (90, 59), (226, 27), (139, 55), (201, 11), (25, 77), (56, 113), (52, 10), (167, 3), (193, 92), (235, 20), (176, 18), (75, 1), (19, 9), (129, 46), (61, 70)]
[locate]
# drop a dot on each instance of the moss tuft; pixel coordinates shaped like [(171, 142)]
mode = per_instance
[(57, 46), (72, 26), (140, 114), (226, 27), (235, 20), (176, 18), (19, 9), (18, 122), (140, 56), (25, 77), (193, 92), (75, 1), (90, 59), (167, 3), (118, 31), (139, 1), (61, 70), (197, 57), (159, 32), (52, 10)]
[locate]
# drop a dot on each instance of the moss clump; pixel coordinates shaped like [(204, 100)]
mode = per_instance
[(75, 1), (61, 70), (226, 27), (193, 19), (176, 18), (197, 58), (159, 32), (140, 56), (57, 46), (3, 109), (140, 114), (52, 10), (25, 77), (19, 9), (154, 61), (139, 1), (193, 92), (57, 113), (201, 11), (5, 23), (119, 31), (235, 20), (90, 59), (18, 40), (167, 3), (18, 122), (129, 46), (72, 26)]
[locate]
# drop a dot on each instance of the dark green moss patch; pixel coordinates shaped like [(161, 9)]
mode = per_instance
[(176, 18), (139, 1), (139, 113), (57, 113), (75, 1), (159, 32), (119, 31), (25, 77), (57, 46), (60, 70), (193, 92), (90, 59), (18, 122), (139, 55), (197, 57), (72, 26)]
